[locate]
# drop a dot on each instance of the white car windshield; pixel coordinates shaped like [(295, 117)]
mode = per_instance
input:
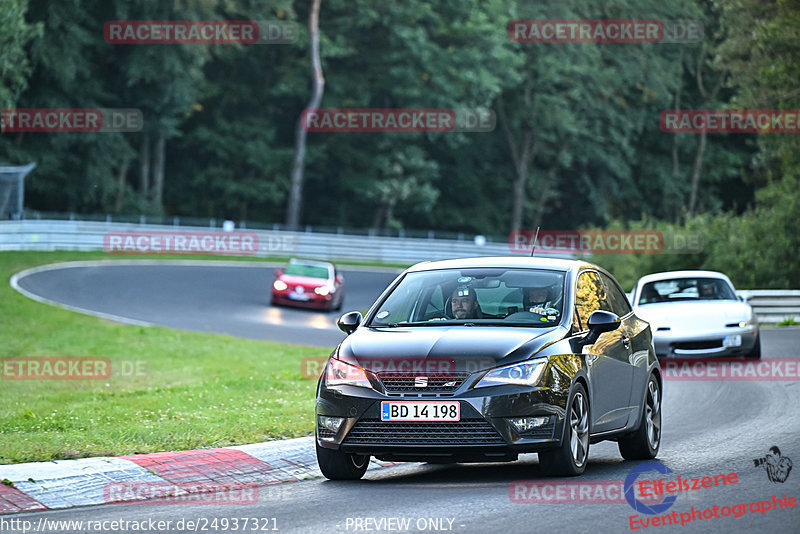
[(486, 296), (686, 289)]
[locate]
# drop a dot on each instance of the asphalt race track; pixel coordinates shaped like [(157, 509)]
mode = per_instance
[(710, 428), (231, 299)]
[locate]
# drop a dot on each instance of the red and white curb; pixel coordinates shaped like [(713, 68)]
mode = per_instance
[(69, 483)]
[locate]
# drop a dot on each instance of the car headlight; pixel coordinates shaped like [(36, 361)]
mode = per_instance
[(322, 290), (523, 374), (339, 373), (280, 285)]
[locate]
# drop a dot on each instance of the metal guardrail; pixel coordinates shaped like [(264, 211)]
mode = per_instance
[(770, 305), (773, 305), (88, 235)]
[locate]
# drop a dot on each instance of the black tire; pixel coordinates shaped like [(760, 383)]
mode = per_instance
[(645, 442), (336, 465), (755, 352), (571, 458)]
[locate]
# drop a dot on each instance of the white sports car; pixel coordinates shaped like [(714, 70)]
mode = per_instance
[(696, 313)]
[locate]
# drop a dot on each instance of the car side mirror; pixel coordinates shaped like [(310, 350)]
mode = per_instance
[(601, 322), (278, 272), (348, 322)]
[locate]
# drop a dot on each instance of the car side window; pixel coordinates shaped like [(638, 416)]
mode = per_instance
[(616, 298), (590, 296)]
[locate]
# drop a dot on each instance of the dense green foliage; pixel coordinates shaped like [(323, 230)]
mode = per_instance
[(577, 142)]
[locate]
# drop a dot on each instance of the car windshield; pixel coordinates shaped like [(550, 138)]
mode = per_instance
[(683, 289), (304, 269), (488, 296)]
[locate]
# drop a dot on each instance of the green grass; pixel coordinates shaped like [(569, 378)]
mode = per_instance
[(198, 390)]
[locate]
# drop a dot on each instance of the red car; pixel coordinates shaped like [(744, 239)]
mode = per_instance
[(308, 284)]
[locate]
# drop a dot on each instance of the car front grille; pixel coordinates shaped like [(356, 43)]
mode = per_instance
[(403, 382), (324, 433), (698, 345), (464, 432), (541, 432)]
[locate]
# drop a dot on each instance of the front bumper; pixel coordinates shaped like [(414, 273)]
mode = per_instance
[(705, 344), (483, 433), (315, 301)]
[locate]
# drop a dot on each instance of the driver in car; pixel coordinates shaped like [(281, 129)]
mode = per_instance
[(464, 303), (708, 290), (536, 299)]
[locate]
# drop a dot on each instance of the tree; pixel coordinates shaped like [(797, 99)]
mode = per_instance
[(318, 84)]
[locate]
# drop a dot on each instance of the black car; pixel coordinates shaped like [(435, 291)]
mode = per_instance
[(481, 359)]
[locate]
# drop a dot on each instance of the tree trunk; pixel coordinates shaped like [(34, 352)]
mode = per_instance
[(522, 156), (144, 166), (698, 164), (701, 144), (158, 170), (544, 196), (296, 186), (123, 173)]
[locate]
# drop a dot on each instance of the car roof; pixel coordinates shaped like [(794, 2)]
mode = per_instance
[(521, 262), (669, 275)]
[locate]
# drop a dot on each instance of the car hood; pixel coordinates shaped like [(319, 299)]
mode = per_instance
[(694, 316), (460, 348)]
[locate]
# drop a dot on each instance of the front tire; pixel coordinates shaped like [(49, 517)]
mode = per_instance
[(570, 459), (337, 465), (755, 352), (645, 442)]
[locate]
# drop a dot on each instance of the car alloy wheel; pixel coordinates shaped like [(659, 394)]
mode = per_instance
[(643, 443), (653, 415), (579, 429)]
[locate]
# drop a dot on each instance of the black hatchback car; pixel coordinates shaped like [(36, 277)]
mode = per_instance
[(481, 359)]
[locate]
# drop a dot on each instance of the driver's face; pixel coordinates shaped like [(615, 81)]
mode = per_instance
[(537, 295), (463, 306)]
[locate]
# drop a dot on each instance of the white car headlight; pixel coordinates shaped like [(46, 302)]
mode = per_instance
[(322, 290), (523, 374), (280, 285), (339, 373)]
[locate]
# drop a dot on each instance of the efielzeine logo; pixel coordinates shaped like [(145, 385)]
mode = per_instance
[(778, 467)]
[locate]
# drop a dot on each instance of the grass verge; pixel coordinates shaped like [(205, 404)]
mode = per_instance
[(192, 390)]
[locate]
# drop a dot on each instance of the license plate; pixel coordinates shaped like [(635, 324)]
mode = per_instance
[(420, 411), (732, 341), (298, 296)]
